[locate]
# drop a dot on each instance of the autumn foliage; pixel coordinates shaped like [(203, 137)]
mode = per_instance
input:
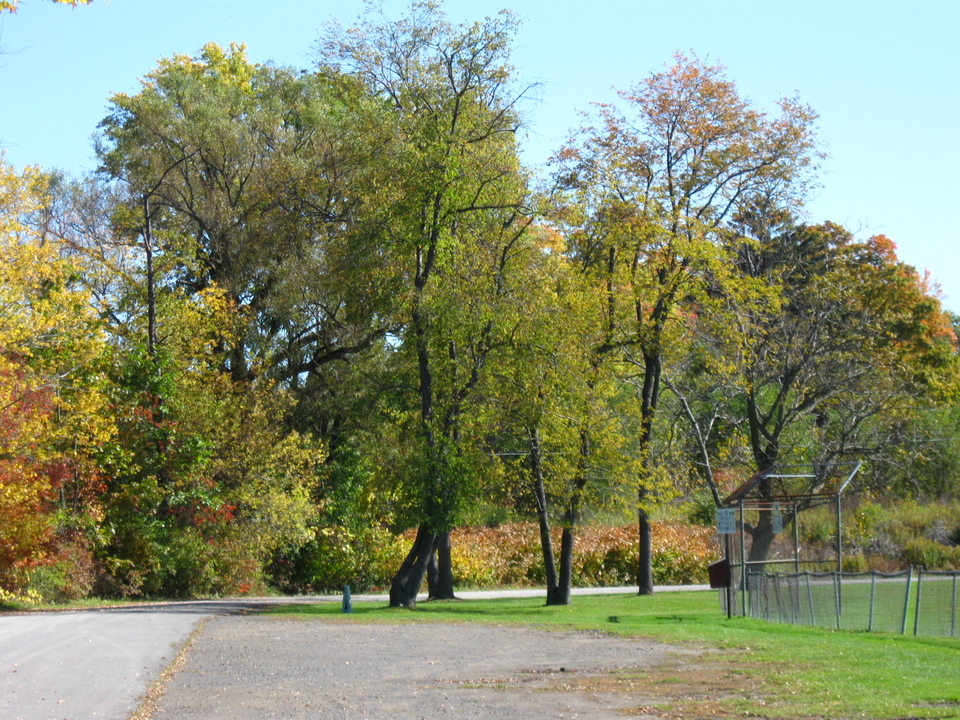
[(506, 555), (47, 334), (303, 328), (26, 486), (603, 557)]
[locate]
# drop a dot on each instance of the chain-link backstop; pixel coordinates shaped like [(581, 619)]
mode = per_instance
[(921, 602)]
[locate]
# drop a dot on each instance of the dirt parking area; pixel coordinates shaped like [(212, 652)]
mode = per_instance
[(250, 667)]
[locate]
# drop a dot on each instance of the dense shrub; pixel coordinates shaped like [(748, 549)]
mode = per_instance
[(69, 575), (337, 556), (817, 526), (506, 555), (879, 537), (931, 555), (67, 572), (603, 557)]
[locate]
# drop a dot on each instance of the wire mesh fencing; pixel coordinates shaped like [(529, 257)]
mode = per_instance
[(936, 612), (845, 601), (924, 603)]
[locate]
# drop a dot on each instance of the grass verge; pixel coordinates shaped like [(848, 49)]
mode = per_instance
[(762, 669)]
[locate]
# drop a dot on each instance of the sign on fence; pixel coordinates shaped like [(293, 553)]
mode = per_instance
[(777, 519), (726, 521)]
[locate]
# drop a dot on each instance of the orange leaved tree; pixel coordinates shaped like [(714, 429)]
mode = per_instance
[(647, 197)]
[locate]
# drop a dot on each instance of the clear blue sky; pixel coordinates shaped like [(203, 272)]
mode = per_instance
[(884, 76)]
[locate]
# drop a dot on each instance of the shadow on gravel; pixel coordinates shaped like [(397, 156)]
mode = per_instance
[(197, 607)]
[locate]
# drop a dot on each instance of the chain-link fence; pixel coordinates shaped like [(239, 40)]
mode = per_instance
[(924, 603), (845, 601), (937, 597)]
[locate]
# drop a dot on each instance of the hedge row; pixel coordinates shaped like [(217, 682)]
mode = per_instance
[(507, 555)]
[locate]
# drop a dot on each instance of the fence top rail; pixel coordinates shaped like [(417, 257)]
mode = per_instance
[(939, 573), (790, 561), (835, 573)]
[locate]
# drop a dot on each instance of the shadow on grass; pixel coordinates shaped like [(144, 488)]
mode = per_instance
[(620, 614)]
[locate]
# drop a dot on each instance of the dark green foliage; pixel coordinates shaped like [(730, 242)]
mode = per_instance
[(336, 556), (702, 510)]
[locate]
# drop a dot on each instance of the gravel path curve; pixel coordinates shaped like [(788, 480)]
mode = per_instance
[(249, 667)]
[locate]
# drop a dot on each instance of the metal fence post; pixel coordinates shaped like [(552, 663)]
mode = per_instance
[(916, 614), (873, 596), (839, 536), (838, 607), (813, 617), (906, 601), (953, 609), (794, 586), (744, 589), (779, 598)]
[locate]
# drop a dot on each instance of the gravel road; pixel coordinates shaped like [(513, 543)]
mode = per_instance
[(255, 667), (85, 665)]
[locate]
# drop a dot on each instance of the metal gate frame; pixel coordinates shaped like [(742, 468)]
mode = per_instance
[(799, 487)]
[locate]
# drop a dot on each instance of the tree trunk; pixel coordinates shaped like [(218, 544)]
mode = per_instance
[(151, 283), (546, 541), (652, 368), (762, 535), (440, 570), (761, 540), (433, 576), (645, 568), (562, 594), (550, 567), (406, 583), (567, 537)]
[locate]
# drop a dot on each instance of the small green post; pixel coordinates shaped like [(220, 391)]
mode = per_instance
[(347, 603)]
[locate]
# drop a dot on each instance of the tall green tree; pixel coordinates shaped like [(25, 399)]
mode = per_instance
[(250, 175), (830, 357), (454, 212), (250, 278), (648, 196), (259, 187), (556, 419)]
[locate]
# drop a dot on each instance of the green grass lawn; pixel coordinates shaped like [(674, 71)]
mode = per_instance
[(770, 670)]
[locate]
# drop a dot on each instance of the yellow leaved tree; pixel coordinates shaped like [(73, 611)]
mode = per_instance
[(50, 404)]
